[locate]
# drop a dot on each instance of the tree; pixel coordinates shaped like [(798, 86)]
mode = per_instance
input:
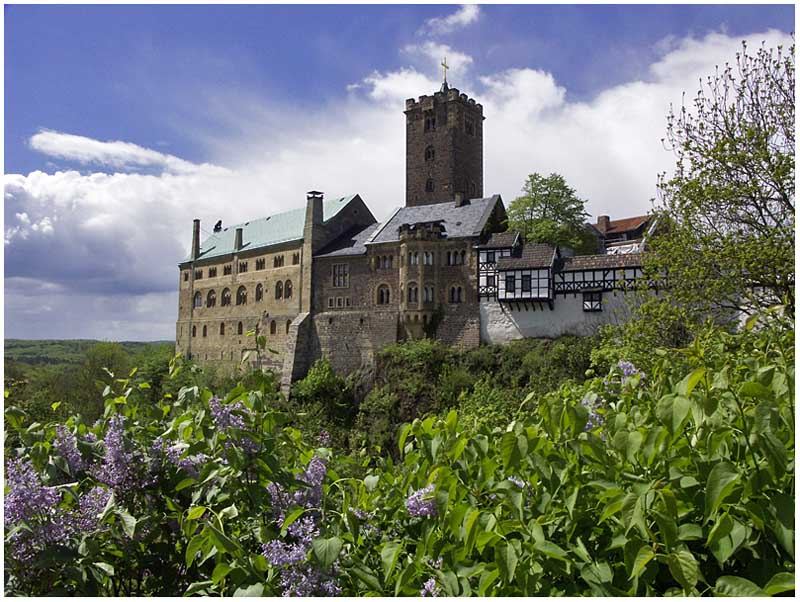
[(550, 211), (728, 210)]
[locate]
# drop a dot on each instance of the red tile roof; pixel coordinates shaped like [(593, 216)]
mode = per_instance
[(626, 224)]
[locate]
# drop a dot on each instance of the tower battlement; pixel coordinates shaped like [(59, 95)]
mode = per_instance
[(425, 102)]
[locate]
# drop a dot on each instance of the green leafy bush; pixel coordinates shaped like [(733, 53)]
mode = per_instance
[(674, 480)]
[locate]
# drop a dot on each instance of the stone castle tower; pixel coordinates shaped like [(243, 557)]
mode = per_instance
[(444, 148)]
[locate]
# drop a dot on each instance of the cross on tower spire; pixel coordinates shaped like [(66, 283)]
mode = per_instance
[(445, 67)]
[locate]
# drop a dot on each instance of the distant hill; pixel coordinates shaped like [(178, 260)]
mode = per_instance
[(60, 352)]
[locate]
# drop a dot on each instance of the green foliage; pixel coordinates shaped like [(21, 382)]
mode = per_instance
[(674, 481), (727, 214), (550, 211)]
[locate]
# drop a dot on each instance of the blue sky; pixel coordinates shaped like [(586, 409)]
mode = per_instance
[(124, 122)]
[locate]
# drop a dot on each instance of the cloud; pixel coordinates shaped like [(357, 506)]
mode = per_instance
[(116, 154), (466, 15), (432, 54), (100, 249)]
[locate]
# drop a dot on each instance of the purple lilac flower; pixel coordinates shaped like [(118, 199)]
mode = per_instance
[(67, 447), (224, 416), (120, 464), (517, 481), (311, 496), (420, 503), (324, 438), (595, 419), (629, 370), (90, 438), (189, 464), (309, 580), (29, 501), (430, 589), (281, 554), (90, 506), (27, 497)]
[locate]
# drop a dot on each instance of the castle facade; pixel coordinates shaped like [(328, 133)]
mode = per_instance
[(330, 281)]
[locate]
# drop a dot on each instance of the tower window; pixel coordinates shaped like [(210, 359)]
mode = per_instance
[(429, 185), (430, 154), (273, 327), (383, 295), (430, 122), (205, 330), (222, 328)]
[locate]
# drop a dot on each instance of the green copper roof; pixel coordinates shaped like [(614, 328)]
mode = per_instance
[(267, 231)]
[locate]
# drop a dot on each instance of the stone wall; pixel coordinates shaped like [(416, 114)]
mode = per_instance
[(502, 322)]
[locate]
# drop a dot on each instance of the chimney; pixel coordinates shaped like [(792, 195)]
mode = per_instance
[(196, 239), (603, 223), (459, 197), (237, 241), (314, 206)]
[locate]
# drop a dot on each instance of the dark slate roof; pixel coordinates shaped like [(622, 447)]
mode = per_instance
[(533, 255), (267, 231), (594, 262), (349, 243), (459, 222), (501, 240)]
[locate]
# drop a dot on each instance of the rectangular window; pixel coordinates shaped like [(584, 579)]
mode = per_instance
[(490, 256), (347, 301), (242, 267), (341, 275), (261, 263), (511, 284), (526, 283), (295, 258), (212, 272), (198, 274), (339, 302), (186, 276), (330, 302), (227, 270), (593, 301), (490, 281)]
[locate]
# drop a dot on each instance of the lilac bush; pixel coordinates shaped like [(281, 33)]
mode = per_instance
[(66, 445), (121, 464)]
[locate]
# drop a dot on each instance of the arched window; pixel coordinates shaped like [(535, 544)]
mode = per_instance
[(287, 290), (279, 290), (226, 297), (205, 330), (430, 154), (383, 295), (259, 292), (222, 328), (198, 299), (194, 331), (413, 293), (429, 185), (211, 298), (241, 296), (456, 294), (463, 257), (288, 324), (240, 328), (273, 327), (428, 294), (427, 258)]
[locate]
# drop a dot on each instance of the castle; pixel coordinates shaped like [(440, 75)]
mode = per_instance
[(330, 281)]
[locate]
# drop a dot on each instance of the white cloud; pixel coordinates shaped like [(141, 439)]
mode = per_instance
[(116, 154), (107, 244), (433, 53), (466, 15)]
